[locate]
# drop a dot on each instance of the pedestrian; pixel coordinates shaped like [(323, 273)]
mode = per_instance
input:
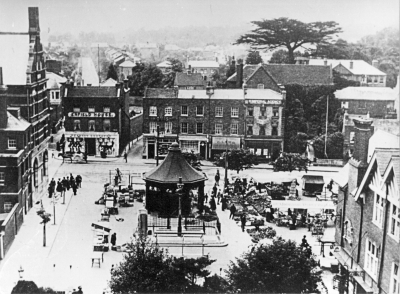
[(213, 206), (68, 183), (59, 186), (206, 198), (51, 190), (223, 203), (79, 290), (52, 154), (71, 179), (304, 242), (64, 183), (113, 239), (126, 157), (74, 187), (217, 177), (53, 183), (214, 190), (218, 196), (79, 181), (233, 210), (243, 221)]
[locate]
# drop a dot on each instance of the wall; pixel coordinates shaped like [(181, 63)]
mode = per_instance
[(376, 109), (11, 226), (136, 128)]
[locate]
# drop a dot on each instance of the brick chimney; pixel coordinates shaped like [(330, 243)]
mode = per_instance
[(363, 132), (351, 64), (3, 102), (239, 74), (34, 28)]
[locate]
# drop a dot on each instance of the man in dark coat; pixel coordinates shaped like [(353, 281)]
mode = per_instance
[(53, 184), (233, 210), (64, 183), (59, 188), (79, 181), (74, 187), (243, 221), (217, 177), (213, 205), (113, 239)]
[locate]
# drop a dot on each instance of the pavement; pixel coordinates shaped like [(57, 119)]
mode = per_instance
[(65, 262)]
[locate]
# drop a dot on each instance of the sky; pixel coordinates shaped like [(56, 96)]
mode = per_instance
[(357, 18)]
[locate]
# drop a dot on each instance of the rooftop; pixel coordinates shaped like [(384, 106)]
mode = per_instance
[(367, 93), (165, 63), (14, 55), (108, 83), (54, 80), (383, 156), (203, 63), (16, 124), (381, 139), (231, 94), (88, 91), (193, 79), (127, 63), (360, 67)]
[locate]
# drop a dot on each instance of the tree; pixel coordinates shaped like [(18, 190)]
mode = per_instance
[(145, 75), (30, 287), (112, 73), (290, 162), (288, 33), (45, 219), (282, 267), (282, 56), (237, 159), (169, 78), (254, 57)]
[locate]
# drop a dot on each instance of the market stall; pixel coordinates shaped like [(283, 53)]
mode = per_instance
[(312, 185)]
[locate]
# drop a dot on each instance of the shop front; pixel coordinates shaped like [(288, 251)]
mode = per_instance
[(263, 147), (152, 143), (196, 144), (221, 144), (93, 143)]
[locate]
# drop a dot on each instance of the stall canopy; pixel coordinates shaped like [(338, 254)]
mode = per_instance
[(302, 204), (100, 226), (173, 167), (313, 179)]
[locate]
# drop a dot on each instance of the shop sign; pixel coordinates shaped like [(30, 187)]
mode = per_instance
[(220, 143), (91, 114), (255, 101)]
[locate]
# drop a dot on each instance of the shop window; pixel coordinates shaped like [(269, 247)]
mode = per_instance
[(7, 207), (235, 112), (394, 221), (184, 128), (153, 127), (199, 128), (92, 126), (371, 258), (168, 111), (199, 110), (249, 130), (153, 111), (184, 110), (77, 125), (12, 143), (218, 129), (219, 111), (91, 109), (190, 146), (234, 129), (106, 125)]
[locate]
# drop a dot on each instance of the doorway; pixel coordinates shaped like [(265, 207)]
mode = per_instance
[(91, 146), (150, 151), (203, 150)]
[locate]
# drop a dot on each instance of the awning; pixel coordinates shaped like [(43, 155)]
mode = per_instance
[(192, 138), (313, 179), (303, 204), (100, 226)]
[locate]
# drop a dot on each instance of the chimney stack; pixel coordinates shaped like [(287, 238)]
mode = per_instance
[(3, 102), (351, 64), (233, 61), (375, 63), (325, 62), (363, 132), (34, 28), (239, 74)]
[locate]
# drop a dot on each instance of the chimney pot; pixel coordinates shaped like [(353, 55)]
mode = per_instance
[(351, 64)]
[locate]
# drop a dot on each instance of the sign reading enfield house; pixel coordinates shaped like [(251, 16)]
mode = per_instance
[(91, 114)]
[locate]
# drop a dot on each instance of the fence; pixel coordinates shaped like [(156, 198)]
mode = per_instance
[(9, 229), (209, 228)]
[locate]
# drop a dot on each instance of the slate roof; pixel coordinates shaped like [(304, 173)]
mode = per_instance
[(183, 79), (381, 139), (16, 124), (383, 157), (396, 168), (360, 67), (173, 167), (285, 74), (160, 93), (203, 63), (367, 93), (54, 80), (231, 94), (87, 91)]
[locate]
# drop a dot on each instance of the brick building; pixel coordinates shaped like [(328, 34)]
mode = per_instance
[(204, 121), (96, 118), (54, 82), (368, 225), (24, 74)]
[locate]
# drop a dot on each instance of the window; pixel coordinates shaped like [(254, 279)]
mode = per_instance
[(275, 111), (90, 108), (250, 111), (260, 86), (184, 128), (76, 109), (234, 129), (168, 111), (57, 94), (199, 128), (274, 131), (394, 221), (235, 112), (371, 258), (262, 131), (345, 105), (263, 109), (92, 126), (7, 206), (380, 79), (153, 111), (106, 109), (189, 146), (218, 129), (184, 110), (219, 111), (168, 127), (378, 211), (352, 135), (2, 176), (153, 127), (106, 125), (199, 110), (77, 125), (249, 130), (394, 280), (12, 143)]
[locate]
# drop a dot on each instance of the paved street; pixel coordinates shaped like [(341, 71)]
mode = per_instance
[(69, 242)]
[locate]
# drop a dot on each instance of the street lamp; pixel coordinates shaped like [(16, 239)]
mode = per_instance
[(226, 164), (21, 272), (179, 191), (209, 92)]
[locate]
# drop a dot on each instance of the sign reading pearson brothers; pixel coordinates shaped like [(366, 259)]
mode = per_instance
[(219, 143), (91, 114)]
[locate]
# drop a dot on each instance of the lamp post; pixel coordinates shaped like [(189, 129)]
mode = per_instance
[(209, 92), (226, 164), (158, 137), (179, 191), (21, 272)]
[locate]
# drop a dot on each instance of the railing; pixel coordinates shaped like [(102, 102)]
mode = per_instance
[(187, 223)]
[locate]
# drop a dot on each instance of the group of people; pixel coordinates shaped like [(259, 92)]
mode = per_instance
[(65, 184)]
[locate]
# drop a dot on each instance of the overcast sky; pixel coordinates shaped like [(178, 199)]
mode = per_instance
[(357, 17)]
